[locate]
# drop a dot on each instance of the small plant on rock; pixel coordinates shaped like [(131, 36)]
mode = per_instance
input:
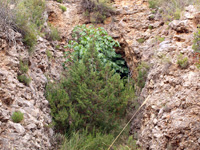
[(54, 34), (182, 62), (63, 8), (142, 74), (59, 1), (49, 54), (23, 66), (17, 116), (141, 40), (24, 79)]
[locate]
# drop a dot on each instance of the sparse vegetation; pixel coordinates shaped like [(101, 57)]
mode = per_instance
[(170, 9), (142, 74), (159, 39), (17, 116), (59, 1), (49, 54), (63, 8), (150, 27), (99, 10), (26, 18), (182, 62), (196, 48), (54, 34), (23, 67)]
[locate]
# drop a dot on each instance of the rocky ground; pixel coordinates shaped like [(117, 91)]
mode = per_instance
[(171, 118)]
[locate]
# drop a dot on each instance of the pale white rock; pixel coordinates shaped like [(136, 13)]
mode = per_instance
[(18, 127), (31, 126)]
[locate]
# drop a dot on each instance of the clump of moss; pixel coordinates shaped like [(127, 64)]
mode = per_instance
[(17, 116)]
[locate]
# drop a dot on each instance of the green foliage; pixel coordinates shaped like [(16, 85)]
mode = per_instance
[(23, 66), (29, 19), (104, 44), (24, 79), (87, 141), (17, 116), (63, 8), (182, 62), (91, 96), (54, 34), (142, 74)]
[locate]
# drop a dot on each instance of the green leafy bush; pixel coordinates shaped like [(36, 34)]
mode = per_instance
[(63, 8), (104, 44), (182, 62), (17, 116), (90, 96), (24, 79)]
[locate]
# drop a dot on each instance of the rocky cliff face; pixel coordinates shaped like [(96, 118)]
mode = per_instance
[(171, 115), (171, 118)]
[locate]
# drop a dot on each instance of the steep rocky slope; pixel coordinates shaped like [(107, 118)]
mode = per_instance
[(171, 118), (171, 115)]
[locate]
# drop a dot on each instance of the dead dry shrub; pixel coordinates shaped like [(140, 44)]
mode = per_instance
[(100, 9)]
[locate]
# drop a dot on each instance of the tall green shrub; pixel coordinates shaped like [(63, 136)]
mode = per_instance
[(90, 96)]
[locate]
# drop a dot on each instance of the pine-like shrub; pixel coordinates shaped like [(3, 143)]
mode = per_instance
[(90, 96)]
